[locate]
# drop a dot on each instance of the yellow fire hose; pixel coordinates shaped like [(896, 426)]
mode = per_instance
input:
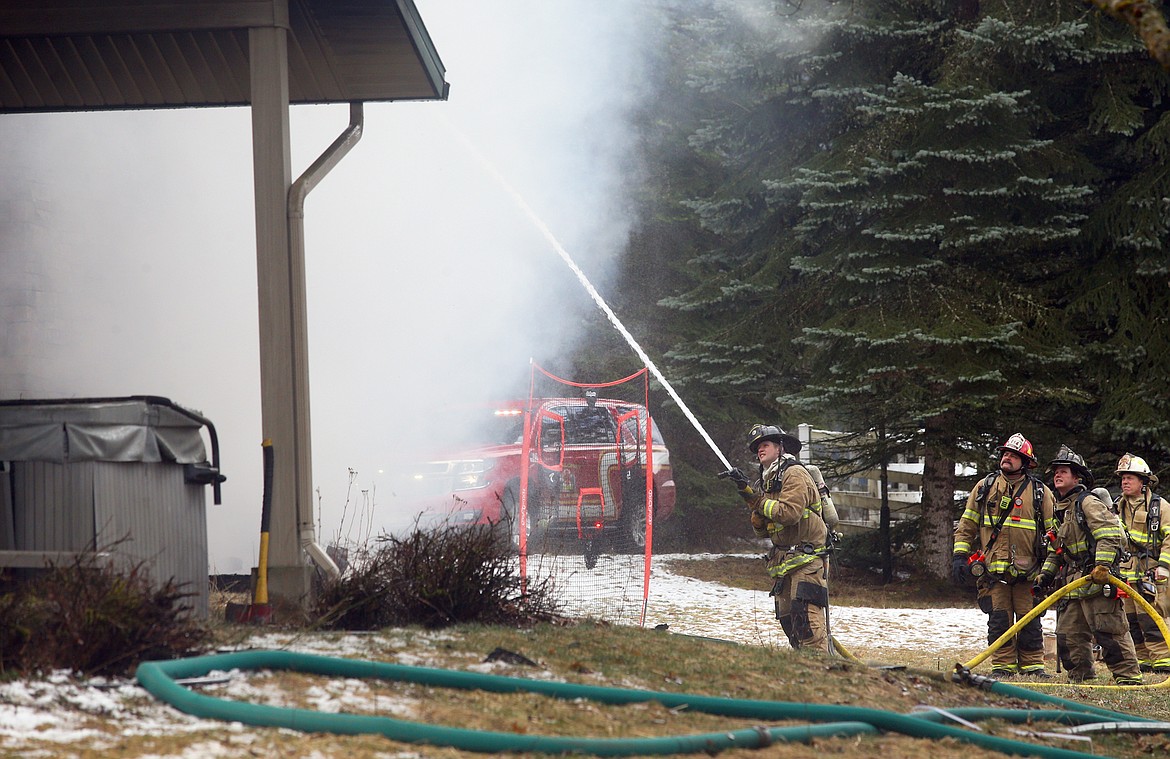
[(1041, 607), (844, 652)]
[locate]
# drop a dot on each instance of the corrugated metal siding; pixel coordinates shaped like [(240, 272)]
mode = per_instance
[(54, 505), (7, 515), (142, 512), (163, 521)]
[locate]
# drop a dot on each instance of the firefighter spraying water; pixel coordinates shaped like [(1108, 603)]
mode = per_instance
[(786, 507), (779, 501)]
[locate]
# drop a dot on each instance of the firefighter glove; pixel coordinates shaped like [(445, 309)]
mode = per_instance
[(742, 485), (1100, 574), (959, 571), (736, 475), (1161, 574), (1042, 586), (759, 521)]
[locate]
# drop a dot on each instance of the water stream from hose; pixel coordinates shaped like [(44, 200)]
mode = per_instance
[(589, 288)]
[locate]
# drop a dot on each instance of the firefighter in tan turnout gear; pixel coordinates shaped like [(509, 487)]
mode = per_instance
[(1088, 542), (786, 508), (999, 540), (1148, 566)]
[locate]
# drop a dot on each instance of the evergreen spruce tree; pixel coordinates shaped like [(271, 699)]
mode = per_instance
[(943, 219), (938, 221)]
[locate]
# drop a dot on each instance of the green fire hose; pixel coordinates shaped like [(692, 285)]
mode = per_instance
[(159, 679), (833, 721)]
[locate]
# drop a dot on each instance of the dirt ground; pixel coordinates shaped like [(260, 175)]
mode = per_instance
[(64, 716)]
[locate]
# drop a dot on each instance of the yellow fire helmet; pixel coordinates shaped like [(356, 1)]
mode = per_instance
[(1130, 464)]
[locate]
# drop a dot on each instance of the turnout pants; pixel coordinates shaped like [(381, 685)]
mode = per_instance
[(1008, 603), (1100, 619), (801, 598), (1148, 640)]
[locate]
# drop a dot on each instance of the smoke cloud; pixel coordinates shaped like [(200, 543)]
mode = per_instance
[(130, 242)]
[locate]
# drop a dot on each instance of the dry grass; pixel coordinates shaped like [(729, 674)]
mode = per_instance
[(600, 654), (633, 658)]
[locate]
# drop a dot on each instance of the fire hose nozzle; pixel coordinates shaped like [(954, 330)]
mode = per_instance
[(736, 475)]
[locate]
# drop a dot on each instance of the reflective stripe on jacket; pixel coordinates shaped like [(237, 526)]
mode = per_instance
[(1071, 549), (1148, 549), (1016, 552), (792, 510)]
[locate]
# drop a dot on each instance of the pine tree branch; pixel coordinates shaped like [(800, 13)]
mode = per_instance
[(1147, 20)]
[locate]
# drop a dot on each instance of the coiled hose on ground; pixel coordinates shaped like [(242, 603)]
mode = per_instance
[(159, 678)]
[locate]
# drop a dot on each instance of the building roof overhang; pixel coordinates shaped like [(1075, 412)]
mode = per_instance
[(78, 55)]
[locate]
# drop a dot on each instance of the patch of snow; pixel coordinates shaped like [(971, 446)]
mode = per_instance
[(692, 607), (61, 710)]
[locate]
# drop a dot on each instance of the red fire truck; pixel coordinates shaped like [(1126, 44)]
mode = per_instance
[(587, 461)]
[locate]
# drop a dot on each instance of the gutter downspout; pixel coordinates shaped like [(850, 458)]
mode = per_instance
[(296, 237)]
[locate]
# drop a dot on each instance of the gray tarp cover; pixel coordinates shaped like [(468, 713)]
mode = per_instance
[(132, 430)]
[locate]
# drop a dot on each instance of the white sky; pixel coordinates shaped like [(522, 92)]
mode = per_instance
[(426, 283)]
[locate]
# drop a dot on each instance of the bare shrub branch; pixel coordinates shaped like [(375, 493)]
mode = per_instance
[(435, 578), (95, 617)]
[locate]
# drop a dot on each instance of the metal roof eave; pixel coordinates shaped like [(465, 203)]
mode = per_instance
[(87, 55), (424, 48)]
